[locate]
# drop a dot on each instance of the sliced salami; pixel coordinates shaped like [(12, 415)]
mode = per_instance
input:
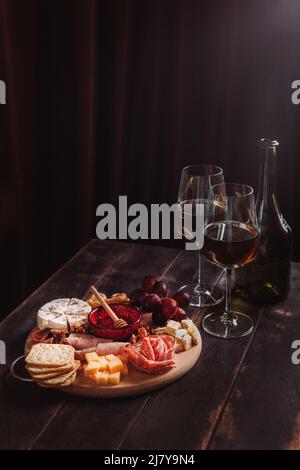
[(152, 354)]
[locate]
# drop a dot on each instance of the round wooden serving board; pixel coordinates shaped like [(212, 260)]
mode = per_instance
[(136, 382)]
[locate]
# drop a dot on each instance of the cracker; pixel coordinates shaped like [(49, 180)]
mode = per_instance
[(59, 379), (66, 383), (50, 355), (36, 370), (53, 374)]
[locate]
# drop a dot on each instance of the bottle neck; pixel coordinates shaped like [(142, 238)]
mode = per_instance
[(267, 177)]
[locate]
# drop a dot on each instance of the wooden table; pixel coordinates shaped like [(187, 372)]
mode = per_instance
[(242, 394)]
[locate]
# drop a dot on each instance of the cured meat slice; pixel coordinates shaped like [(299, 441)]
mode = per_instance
[(170, 343), (82, 341), (141, 354), (103, 349), (146, 348), (159, 348), (80, 353)]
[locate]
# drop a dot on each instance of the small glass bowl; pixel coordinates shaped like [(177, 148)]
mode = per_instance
[(102, 326)]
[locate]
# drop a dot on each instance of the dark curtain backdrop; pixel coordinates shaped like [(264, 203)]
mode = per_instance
[(114, 97)]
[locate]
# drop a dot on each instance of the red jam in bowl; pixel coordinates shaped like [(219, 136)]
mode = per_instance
[(101, 324)]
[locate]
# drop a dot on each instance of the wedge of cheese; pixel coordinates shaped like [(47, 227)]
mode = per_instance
[(63, 313)]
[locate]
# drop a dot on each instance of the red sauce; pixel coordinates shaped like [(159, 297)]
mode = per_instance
[(101, 319)]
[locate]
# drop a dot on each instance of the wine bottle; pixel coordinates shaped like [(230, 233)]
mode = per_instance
[(267, 279)]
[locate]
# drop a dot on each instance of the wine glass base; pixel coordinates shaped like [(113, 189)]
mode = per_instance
[(213, 325), (202, 295)]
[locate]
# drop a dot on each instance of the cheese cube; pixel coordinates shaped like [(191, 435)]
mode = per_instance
[(114, 378), (186, 342), (103, 364), (187, 323), (124, 371), (181, 332), (172, 327), (115, 365), (91, 369), (123, 357), (91, 357), (193, 331), (110, 357), (102, 378)]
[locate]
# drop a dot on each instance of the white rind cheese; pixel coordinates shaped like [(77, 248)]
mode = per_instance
[(63, 313)]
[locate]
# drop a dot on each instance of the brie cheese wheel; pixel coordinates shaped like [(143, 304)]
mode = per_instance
[(63, 313)]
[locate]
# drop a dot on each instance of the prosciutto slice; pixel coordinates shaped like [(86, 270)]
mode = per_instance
[(102, 349), (82, 341), (153, 354)]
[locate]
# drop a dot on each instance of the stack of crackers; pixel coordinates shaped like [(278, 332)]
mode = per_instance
[(52, 365)]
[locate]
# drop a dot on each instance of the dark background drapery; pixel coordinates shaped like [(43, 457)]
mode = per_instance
[(114, 97)]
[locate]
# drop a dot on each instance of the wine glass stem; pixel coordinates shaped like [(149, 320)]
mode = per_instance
[(228, 316), (200, 269)]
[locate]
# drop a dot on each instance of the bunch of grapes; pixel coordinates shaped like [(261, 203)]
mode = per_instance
[(152, 297)]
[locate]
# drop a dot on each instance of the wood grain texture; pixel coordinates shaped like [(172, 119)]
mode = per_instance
[(241, 394), (180, 416), (264, 409), (184, 415), (25, 410), (101, 424)]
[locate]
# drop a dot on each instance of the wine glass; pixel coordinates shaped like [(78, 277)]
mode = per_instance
[(194, 187), (231, 240)]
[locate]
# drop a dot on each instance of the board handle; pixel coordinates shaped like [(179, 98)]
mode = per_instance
[(14, 373)]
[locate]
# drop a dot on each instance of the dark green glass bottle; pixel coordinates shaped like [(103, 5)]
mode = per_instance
[(267, 279)]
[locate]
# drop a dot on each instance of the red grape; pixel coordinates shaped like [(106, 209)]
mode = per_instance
[(160, 288), (179, 314), (182, 298), (158, 319), (137, 296), (151, 303), (148, 283), (168, 307)]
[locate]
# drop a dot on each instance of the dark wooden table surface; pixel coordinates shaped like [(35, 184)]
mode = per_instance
[(242, 394)]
